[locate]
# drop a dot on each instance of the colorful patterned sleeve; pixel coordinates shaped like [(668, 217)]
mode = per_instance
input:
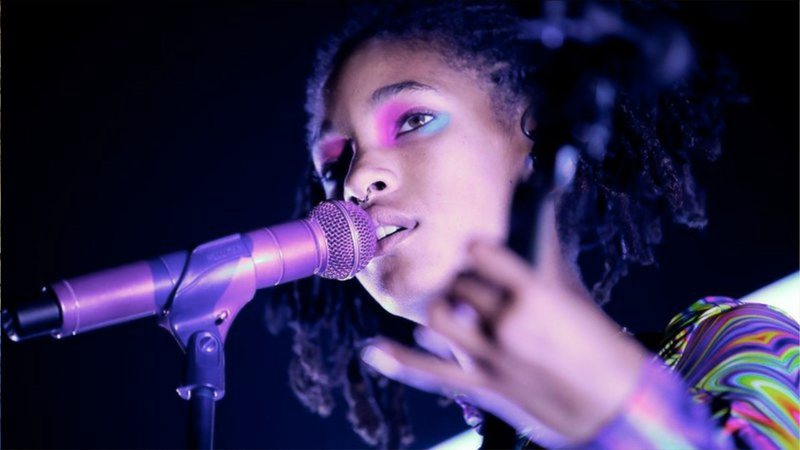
[(733, 383)]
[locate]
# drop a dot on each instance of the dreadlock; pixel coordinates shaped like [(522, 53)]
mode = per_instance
[(618, 82)]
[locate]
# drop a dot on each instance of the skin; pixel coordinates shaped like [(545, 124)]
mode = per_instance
[(455, 183), (517, 340)]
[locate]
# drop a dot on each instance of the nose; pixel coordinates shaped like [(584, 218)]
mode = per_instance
[(369, 178)]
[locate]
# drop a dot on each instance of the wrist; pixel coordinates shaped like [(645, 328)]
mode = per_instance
[(658, 414), (613, 384)]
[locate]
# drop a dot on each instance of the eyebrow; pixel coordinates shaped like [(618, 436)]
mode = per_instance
[(384, 92), (381, 94)]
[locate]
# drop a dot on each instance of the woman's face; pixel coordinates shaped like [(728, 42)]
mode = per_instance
[(430, 155)]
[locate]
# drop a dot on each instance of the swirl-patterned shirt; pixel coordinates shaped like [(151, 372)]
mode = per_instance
[(726, 377)]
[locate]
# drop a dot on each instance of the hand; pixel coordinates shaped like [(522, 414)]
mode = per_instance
[(532, 347)]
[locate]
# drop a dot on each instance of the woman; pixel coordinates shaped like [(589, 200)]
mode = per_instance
[(447, 123)]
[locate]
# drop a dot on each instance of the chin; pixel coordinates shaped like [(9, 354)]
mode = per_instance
[(407, 290)]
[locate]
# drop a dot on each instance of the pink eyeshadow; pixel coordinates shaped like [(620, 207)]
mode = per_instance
[(329, 149), (386, 121)]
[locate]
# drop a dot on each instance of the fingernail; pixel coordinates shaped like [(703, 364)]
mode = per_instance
[(465, 314), (380, 360), (432, 341)]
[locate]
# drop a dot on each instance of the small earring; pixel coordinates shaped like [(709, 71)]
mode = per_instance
[(530, 161), (528, 122)]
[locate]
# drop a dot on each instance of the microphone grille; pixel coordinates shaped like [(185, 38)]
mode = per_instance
[(350, 235)]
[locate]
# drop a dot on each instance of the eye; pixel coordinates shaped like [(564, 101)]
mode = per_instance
[(413, 121), (335, 170)]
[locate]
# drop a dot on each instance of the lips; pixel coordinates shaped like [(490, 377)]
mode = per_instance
[(388, 243), (392, 227)]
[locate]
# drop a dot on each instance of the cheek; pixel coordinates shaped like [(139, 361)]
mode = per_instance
[(477, 182), (480, 166)]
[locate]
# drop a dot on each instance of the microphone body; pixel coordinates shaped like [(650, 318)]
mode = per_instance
[(336, 240), (115, 295)]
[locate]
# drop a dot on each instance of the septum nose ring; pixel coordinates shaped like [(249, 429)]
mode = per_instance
[(379, 186), (360, 202)]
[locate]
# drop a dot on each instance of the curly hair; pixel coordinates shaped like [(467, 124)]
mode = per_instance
[(619, 82)]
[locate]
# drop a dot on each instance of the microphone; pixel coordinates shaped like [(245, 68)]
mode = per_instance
[(336, 240)]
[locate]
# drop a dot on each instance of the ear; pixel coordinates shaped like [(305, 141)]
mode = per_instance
[(527, 125), (528, 122)]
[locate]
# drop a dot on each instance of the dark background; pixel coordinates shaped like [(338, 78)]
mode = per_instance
[(133, 129)]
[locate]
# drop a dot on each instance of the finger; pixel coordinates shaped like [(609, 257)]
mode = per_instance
[(487, 300), (462, 327), (548, 254), (433, 342), (499, 265), (424, 372)]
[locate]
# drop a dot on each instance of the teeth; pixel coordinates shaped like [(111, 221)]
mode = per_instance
[(386, 230)]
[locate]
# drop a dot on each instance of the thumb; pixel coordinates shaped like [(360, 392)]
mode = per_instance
[(547, 250), (548, 253)]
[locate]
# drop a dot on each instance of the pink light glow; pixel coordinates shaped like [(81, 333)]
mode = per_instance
[(328, 149)]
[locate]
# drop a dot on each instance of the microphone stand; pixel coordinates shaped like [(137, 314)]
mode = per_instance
[(197, 296), (205, 373), (210, 293)]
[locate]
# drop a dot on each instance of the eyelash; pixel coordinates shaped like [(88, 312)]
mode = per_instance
[(411, 114)]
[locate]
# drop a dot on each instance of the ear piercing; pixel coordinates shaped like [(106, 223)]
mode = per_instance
[(529, 160), (528, 124)]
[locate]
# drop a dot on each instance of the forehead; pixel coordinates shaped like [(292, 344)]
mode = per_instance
[(377, 63)]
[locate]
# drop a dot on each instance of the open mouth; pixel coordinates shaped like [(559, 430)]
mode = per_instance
[(385, 231), (392, 228), (390, 236)]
